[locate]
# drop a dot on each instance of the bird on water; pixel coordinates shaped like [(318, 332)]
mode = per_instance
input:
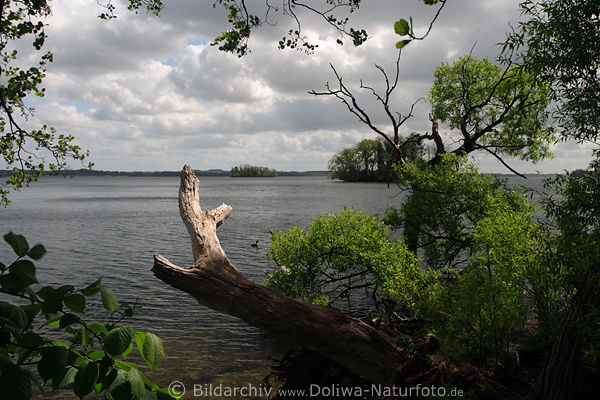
[(254, 244)]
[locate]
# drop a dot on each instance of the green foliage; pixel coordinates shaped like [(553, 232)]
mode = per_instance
[(252, 171), (402, 27), (29, 153), (370, 160), (92, 357), (24, 151), (493, 109), (243, 22), (509, 287), (444, 202), (340, 254), (574, 210), (560, 38), (151, 6)]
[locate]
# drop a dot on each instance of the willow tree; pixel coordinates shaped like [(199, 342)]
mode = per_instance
[(486, 108)]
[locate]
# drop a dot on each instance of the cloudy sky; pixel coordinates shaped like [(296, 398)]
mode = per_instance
[(148, 93)]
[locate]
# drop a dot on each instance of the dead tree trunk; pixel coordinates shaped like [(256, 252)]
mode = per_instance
[(216, 283)]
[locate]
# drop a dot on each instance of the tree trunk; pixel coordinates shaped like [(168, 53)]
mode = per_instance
[(216, 283), (566, 375)]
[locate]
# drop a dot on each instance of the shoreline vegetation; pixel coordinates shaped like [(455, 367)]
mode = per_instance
[(224, 173), (210, 172), (251, 171)]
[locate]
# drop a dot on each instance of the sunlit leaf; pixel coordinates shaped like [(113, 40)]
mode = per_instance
[(402, 27), (109, 299), (402, 43), (118, 340), (151, 347)]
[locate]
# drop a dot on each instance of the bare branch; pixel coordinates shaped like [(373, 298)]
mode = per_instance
[(437, 14), (349, 100), (493, 153)]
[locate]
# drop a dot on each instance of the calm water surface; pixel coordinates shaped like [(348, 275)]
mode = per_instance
[(112, 226)]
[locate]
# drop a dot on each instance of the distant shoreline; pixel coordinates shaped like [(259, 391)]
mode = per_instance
[(210, 172)]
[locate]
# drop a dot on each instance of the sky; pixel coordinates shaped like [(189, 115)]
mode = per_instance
[(146, 93)]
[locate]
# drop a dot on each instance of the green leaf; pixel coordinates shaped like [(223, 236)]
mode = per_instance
[(45, 292), (54, 323), (128, 350), (108, 378), (138, 389), (18, 243), (31, 339), (15, 382), (32, 310), (96, 355), (67, 320), (109, 299), (75, 302), (98, 328), (85, 335), (93, 288), (5, 309), (402, 43), (37, 252), (67, 378), (402, 27), (52, 363), (51, 305), (64, 290), (25, 270), (54, 298), (85, 379), (19, 317), (119, 389), (118, 340), (11, 283), (151, 347)]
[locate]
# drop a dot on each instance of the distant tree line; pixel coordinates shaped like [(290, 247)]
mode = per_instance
[(370, 160), (252, 171)]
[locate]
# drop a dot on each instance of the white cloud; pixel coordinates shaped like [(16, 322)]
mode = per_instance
[(147, 93)]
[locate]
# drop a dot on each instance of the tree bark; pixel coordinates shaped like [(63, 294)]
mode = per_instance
[(215, 282)]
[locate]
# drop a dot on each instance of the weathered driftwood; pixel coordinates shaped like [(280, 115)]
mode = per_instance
[(216, 283)]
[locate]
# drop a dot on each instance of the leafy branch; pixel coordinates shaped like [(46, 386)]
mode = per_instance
[(76, 363)]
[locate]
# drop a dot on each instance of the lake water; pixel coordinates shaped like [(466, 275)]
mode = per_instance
[(112, 226)]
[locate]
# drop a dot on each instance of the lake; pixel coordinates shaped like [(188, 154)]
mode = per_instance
[(112, 226)]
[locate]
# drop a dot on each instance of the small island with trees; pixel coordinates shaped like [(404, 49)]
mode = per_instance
[(250, 171)]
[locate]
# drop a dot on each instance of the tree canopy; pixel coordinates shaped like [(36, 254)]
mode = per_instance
[(370, 160), (500, 111), (560, 45)]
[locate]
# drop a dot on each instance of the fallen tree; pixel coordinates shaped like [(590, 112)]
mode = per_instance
[(364, 350), (215, 282)]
